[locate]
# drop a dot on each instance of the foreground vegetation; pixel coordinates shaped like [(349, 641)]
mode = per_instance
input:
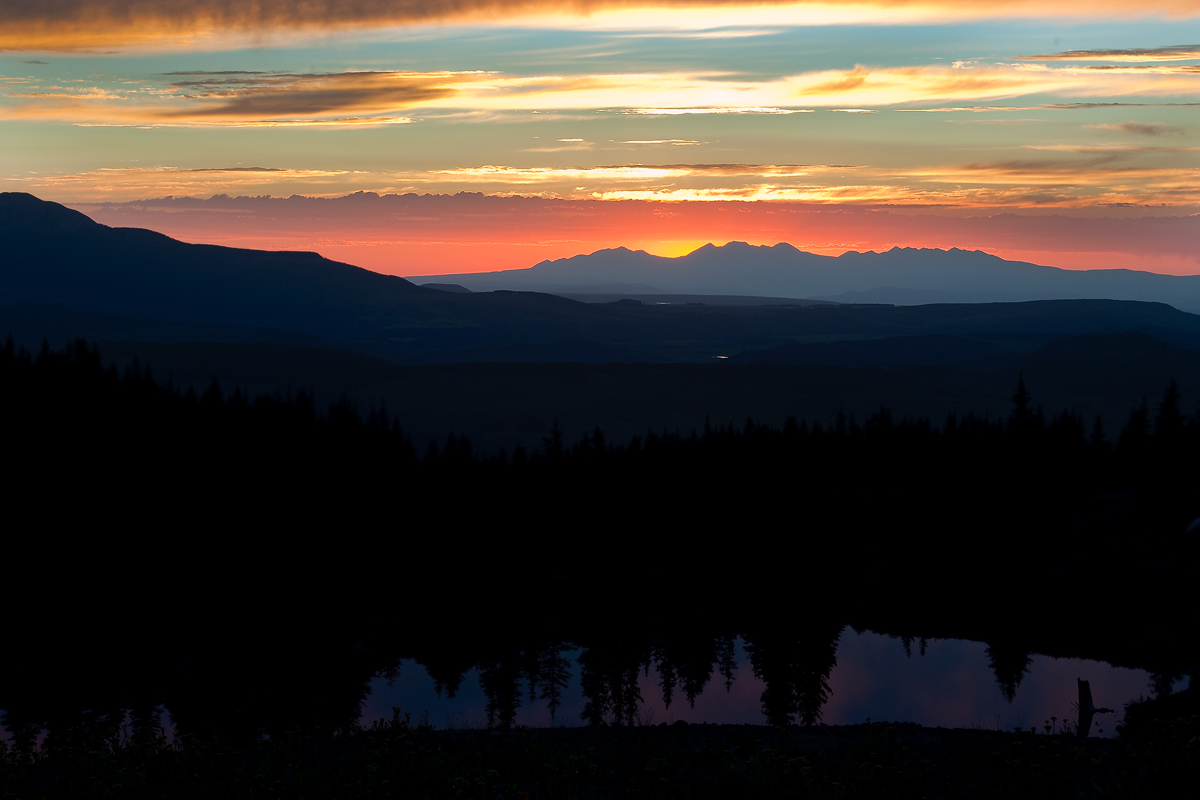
[(397, 759), (251, 563)]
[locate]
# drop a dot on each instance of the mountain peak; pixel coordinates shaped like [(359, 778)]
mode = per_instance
[(20, 211)]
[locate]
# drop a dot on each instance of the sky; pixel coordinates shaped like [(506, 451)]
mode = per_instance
[(437, 136)]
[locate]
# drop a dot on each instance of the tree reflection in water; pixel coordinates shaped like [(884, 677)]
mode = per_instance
[(768, 676), (952, 684)]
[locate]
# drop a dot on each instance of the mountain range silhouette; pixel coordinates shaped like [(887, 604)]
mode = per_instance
[(902, 275), (63, 275)]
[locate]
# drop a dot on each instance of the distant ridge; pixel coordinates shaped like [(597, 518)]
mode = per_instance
[(63, 275), (900, 276)]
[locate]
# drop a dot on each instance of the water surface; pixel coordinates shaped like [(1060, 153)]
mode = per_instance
[(951, 684)]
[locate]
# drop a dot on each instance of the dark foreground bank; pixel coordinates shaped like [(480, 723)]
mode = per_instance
[(398, 758)]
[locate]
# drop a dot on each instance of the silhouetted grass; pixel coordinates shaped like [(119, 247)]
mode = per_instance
[(395, 759)]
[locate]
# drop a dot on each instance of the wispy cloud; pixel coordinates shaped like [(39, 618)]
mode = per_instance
[(242, 169), (726, 32), (1073, 176), (1095, 178), (859, 194), (240, 98), (1114, 147), (1097, 172), (1179, 52), (631, 172), (272, 96), (97, 24), (971, 109), (673, 112), (1141, 128), (1061, 178), (126, 182), (1042, 107), (357, 97)]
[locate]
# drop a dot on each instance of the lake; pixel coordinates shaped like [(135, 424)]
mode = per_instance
[(951, 685)]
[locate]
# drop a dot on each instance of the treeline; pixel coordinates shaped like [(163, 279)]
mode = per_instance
[(79, 433), (998, 498), (224, 544)]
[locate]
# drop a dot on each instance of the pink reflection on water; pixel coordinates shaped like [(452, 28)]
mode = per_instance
[(951, 685)]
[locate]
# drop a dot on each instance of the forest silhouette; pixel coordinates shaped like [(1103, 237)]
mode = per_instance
[(250, 564)]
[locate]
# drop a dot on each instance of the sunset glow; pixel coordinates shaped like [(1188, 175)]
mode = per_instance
[(654, 125), (419, 235)]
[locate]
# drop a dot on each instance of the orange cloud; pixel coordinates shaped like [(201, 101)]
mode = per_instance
[(272, 96), (251, 97), (1181, 52), (625, 173), (240, 98), (1053, 176), (104, 184), (92, 24)]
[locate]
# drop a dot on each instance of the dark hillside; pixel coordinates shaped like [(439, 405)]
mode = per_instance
[(159, 289), (54, 256), (505, 404)]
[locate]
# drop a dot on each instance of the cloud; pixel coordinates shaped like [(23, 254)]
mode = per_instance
[(1043, 107), (1098, 180), (671, 112), (871, 194), (1141, 128), (842, 83), (92, 24), (41, 63), (1179, 52), (169, 180), (1110, 149), (1079, 178), (858, 89), (630, 172), (774, 193), (259, 96), (241, 98), (1078, 106), (972, 109), (374, 97), (1174, 69), (672, 142), (238, 169)]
